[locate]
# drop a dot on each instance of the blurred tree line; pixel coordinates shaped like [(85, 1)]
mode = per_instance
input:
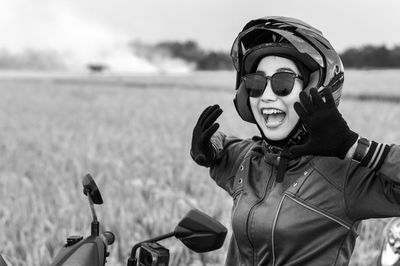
[(192, 53), (370, 56), (188, 51)]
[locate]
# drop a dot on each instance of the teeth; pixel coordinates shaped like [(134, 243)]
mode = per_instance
[(271, 111)]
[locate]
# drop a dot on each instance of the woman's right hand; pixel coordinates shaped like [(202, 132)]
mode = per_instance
[(202, 150)]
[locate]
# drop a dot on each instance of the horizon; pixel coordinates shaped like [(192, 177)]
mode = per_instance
[(91, 30)]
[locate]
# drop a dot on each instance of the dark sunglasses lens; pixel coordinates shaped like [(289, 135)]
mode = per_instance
[(255, 84), (282, 83)]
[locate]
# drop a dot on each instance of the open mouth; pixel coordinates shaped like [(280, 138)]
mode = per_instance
[(273, 117)]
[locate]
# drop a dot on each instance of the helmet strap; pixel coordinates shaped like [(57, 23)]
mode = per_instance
[(283, 164), (296, 136)]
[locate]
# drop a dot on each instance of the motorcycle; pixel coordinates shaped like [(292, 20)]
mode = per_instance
[(197, 231), (91, 251), (2, 261), (390, 251)]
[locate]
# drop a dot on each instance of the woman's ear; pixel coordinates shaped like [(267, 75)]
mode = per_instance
[(312, 82)]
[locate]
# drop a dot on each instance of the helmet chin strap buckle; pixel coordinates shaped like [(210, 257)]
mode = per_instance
[(270, 148), (298, 136)]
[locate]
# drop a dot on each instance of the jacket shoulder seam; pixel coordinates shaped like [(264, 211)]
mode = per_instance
[(329, 180)]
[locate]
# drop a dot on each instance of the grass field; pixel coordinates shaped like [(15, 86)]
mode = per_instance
[(133, 135)]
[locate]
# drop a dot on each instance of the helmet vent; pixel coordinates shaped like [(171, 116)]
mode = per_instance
[(327, 47), (277, 38), (337, 69)]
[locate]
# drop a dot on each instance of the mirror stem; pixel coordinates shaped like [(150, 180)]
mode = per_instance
[(92, 207), (95, 223)]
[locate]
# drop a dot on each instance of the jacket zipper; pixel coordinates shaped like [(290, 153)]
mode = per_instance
[(273, 229), (306, 206), (236, 193), (252, 210), (320, 212)]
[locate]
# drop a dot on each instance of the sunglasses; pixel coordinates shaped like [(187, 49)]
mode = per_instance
[(281, 83)]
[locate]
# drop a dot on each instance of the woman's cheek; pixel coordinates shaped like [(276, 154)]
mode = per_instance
[(293, 116)]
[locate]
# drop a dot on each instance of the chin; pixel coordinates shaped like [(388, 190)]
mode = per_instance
[(276, 137), (275, 134)]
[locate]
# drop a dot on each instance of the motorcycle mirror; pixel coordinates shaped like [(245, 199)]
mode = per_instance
[(89, 186), (200, 232), (2, 261)]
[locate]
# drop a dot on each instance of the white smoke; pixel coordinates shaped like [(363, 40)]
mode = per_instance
[(52, 26)]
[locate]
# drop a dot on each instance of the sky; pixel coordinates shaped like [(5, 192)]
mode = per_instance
[(89, 28)]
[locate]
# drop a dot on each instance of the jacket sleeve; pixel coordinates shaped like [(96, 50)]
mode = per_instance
[(374, 192), (228, 154)]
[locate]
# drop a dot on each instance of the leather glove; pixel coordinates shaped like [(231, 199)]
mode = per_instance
[(202, 151), (329, 134)]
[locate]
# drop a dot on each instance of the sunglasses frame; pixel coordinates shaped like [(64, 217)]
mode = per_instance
[(270, 78)]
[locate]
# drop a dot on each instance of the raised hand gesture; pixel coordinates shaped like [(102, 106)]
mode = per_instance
[(329, 134), (202, 151)]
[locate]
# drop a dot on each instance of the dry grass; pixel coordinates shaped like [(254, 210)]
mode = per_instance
[(133, 136)]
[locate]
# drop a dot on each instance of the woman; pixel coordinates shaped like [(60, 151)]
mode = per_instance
[(302, 188)]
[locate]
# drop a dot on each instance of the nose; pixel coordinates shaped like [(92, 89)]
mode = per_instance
[(268, 95)]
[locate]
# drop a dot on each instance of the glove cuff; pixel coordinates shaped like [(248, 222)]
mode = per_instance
[(351, 138), (202, 159)]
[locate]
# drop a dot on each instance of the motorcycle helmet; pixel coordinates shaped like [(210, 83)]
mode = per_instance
[(290, 38)]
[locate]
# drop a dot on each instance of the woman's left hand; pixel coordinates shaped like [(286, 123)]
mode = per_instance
[(329, 134)]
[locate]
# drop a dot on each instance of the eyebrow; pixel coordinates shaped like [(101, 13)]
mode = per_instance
[(287, 69)]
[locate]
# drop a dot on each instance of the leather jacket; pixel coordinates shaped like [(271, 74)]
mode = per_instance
[(311, 218)]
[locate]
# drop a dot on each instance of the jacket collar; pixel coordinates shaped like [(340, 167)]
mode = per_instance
[(271, 155)]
